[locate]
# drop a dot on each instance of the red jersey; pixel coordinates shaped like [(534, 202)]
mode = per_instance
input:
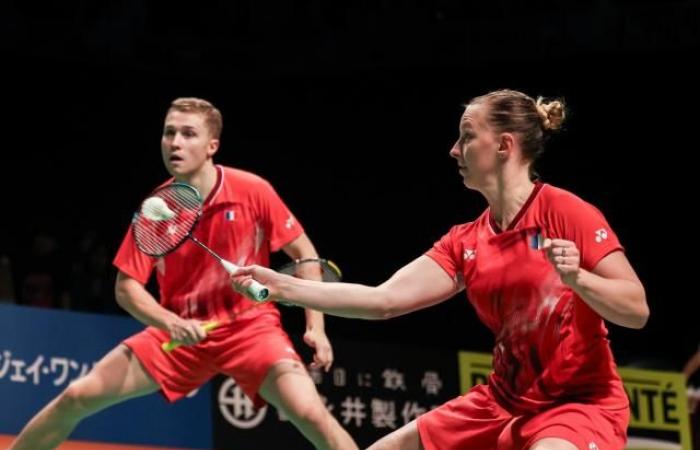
[(550, 345), (243, 220)]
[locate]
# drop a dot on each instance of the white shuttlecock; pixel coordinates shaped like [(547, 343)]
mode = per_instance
[(155, 208)]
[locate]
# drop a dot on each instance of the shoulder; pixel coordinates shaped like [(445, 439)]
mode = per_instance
[(243, 177)]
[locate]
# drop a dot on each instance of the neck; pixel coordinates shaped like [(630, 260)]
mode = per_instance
[(203, 180), (507, 196)]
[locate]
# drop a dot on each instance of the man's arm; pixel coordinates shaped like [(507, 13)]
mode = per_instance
[(315, 334), (137, 301)]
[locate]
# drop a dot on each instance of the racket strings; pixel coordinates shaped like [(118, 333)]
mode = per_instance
[(159, 236), (328, 270)]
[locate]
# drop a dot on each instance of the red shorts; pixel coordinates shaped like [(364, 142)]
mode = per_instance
[(244, 350), (475, 420)]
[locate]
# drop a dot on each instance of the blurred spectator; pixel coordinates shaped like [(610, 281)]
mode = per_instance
[(7, 291), (41, 276), (7, 283), (92, 277)]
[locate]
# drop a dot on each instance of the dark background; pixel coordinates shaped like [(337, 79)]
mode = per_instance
[(350, 109)]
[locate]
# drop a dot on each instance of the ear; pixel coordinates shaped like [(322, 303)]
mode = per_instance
[(506, 146), (213, 147)]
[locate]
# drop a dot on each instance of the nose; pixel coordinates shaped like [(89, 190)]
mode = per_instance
[(455, 151), (176, 140)]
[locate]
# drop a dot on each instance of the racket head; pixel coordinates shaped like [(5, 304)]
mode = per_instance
[(330, 272), (166, 218)]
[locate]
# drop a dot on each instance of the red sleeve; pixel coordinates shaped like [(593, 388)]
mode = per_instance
[(576, 220), (280, 224), (132, 262), (448, 254)]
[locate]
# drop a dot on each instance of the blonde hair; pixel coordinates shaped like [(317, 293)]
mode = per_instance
[(512, 111), (212, 116), (552, 113)]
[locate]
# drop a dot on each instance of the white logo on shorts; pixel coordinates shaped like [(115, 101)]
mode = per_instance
[(236, 408), (592, 446)]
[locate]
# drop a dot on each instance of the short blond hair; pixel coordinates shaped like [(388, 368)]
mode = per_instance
[(212, 116)]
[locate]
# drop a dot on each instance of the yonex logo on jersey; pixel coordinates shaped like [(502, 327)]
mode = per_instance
[(601, 235), (469, 254), (230, 215), (172, 230), (290, 222)]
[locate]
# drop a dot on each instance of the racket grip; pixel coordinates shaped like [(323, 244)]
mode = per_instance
[(172, 344), (256, 291)]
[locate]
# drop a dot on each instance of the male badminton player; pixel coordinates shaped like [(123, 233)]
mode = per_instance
[(243, 220)]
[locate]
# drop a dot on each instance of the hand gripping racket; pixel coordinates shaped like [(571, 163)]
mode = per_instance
[(330, 272), (165, 220)]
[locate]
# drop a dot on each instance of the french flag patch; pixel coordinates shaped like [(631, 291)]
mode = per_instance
[(230, 215), (537, 241)]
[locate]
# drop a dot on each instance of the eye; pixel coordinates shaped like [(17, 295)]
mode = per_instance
[(465, 138)]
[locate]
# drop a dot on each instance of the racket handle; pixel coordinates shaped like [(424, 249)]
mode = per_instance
[(256, 291), (172, 345)]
